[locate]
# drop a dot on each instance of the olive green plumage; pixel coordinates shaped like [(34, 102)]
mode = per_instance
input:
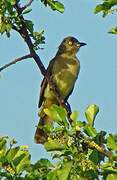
[(63, 69)]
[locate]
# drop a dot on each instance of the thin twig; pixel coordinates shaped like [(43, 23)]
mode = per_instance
[(26, 5), (14, 61), (110, 11)]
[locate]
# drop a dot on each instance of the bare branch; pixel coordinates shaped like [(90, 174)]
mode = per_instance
[(14, 61), (26, 5)]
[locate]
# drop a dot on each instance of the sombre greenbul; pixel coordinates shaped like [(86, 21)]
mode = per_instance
[(64, 69)]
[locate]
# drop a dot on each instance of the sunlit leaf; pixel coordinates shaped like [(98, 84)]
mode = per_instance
[(111, 177), (98, 8), (54, 145), (52, 175), (63, 172), (2, 146), (111, 142), (58, 114), (11, 153), (113, 31), (91, 113), (29, 25), (74, 116), (55, 5), (90, 131), (42, 163), (27, 11), (109, 167)]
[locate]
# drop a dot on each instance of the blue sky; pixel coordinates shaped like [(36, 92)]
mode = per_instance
[(96, 84)]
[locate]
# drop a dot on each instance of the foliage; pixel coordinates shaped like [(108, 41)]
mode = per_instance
[(9, 17), (55, 5), (107, 7), (80, 151)]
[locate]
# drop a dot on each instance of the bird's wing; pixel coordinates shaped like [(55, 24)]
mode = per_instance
[(44, 83), (43, 86)]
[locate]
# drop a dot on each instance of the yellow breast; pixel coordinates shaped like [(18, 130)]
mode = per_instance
[(65, 72)]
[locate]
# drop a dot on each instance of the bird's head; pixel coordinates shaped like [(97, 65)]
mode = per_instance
[(70, 45)]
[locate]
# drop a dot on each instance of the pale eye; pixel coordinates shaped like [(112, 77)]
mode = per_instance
[(70, 43)]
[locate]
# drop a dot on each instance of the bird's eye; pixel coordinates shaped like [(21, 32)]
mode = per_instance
[(70, 43)]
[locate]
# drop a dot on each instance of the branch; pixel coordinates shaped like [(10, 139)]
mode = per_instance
[(24, 33), (88, 143), (14, 61), (26, 5), (110, 11)]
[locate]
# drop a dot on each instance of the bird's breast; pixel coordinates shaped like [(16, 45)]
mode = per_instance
[(65, 72)]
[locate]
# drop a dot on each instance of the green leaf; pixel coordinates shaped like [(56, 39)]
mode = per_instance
[(27, 11), (113, 31), (90, 131), (111, 142), (32, 176), (2, 146), (42, 163), (111, 177), (94, 156), (8, 27), (109, 167), (98, 8), (11, 153), (29, 25), (112, 1), (52, 175), (64, 171), (105, 7), (58, 114), (113, 156), (91, 113), (54, 146), (55, 5), (74, 116), (58, 129), (12, 2), (21, 160), (2, 28)]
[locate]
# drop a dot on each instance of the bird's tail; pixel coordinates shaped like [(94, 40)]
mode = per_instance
[(40, 134)]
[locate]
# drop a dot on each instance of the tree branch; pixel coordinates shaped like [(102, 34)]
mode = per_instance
[(89, 143), (14, 61), (24, 33), (110, 11), (26, 5)]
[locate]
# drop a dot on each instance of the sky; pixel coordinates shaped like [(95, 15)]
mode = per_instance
[(96, 84)]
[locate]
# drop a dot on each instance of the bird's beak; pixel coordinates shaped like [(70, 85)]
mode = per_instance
[(82, 44)]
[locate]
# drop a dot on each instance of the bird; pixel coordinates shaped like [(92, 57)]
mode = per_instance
[(63, 69)]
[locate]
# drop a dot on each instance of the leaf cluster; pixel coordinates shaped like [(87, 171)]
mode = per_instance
[(107, 7), (79, 149), (9, 17), (83, 152), (10, 20), (54, 5)]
